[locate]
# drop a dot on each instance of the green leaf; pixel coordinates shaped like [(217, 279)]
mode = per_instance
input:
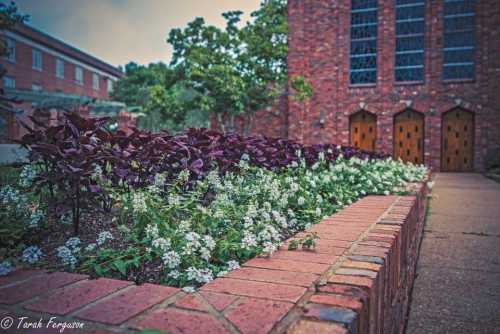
[(121, 266)]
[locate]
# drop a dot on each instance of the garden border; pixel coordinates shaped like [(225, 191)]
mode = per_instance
[(358, 280)]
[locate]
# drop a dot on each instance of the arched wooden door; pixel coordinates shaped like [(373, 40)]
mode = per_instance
[(363, 128), (457, 141), (409, 136)]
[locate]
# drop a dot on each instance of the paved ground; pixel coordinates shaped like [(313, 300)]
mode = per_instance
[(457, 289)]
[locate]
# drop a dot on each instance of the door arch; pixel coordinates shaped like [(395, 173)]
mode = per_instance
[(457, 141), (408, 139), (363, 130)]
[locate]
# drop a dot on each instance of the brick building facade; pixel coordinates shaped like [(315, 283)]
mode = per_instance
[(42, 71), (449, 88)]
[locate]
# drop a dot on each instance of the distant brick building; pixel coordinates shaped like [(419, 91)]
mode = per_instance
[(415, 78), (43, 71)]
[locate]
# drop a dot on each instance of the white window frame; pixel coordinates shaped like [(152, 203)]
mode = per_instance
[(10, 46), (36, 60), (59, 68), (10, 79), (95, 81), (79, 75)]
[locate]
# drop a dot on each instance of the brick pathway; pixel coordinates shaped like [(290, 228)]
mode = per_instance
[(457, 289), (331, 290)]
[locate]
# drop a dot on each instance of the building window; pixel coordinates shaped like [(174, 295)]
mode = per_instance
[(110, 85), (37, 60), (36, 87), (364, 17), (9, 82), (60, 68), (10, 48), (410, 22), (79, 75), (95, 81), (459, 19)]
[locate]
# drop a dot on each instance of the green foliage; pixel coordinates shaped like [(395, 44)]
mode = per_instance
[(308, 242), (303, 89), (163, 99), (236, 71)]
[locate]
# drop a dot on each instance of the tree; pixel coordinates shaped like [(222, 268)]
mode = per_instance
[(161, 96), (235, 70)]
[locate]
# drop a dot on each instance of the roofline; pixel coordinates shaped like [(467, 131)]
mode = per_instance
[(63, 47)]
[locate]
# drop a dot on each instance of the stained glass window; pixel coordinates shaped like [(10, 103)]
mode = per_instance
[(410, 23), (364, 18), (459, 19)]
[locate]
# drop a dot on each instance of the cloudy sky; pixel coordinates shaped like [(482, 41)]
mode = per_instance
[(119, 31)]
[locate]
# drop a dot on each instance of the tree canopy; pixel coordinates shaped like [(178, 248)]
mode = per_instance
[(225, 72)]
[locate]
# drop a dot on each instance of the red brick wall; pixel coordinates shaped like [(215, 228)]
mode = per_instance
[(25, 76), (319, 46)]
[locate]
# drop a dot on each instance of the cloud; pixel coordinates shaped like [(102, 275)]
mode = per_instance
[(119, 31)]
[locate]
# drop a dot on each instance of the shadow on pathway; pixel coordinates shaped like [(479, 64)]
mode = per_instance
[(457, 289)]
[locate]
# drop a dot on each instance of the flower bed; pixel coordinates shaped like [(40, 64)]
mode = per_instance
[(177, 210)]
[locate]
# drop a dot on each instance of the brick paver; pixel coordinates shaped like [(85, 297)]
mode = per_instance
[(175, 321), (255, 289), (71, 298), (126, 304), (244, 315), (36, 285)]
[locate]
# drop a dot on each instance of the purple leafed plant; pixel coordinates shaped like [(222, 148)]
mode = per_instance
[(71, 152)]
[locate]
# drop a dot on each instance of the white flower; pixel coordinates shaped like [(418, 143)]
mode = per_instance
[(203, 275), (222, 273), (232, 265), (174, 199), (90, 247), (318, 212), (161, 243), (27, 175), (294, 187), (73, 243), (205, 254), (32, 254), (301, 200), (171, 259), (249, 240), (139, 203), (103, 237), (174, 274), (5, 268), (160, 180), (209, 242), (152, 231), (189, 289), (66, 256)]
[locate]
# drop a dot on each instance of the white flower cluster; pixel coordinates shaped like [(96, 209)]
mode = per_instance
[(5, 268), (66, 256), (32, 255), (203, 275), (253, 211), (27, 175), (139, 203), (103, 237)]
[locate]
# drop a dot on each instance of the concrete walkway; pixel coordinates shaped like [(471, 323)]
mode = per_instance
[(457, 289)]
